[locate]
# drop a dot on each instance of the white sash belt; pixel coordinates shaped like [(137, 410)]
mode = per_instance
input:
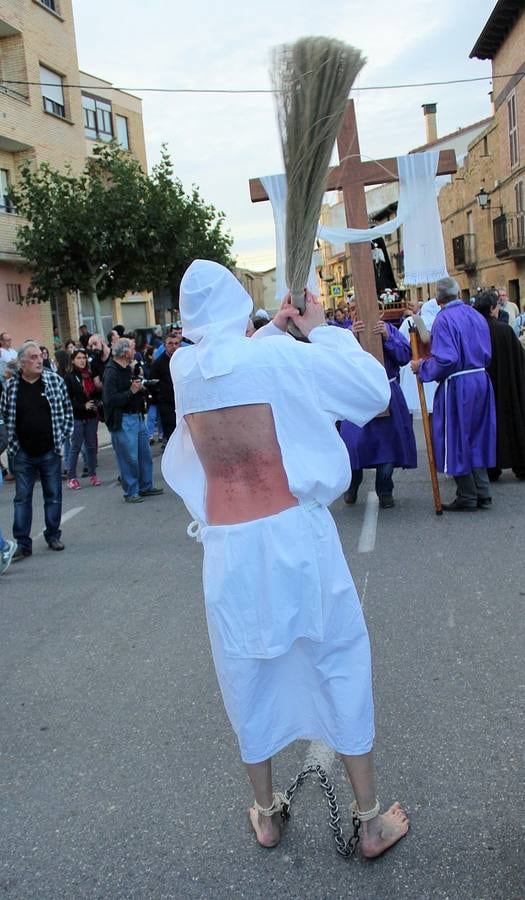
[(454, 375)]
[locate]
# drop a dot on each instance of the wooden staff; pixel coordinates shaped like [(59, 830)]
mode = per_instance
[(426, 425)]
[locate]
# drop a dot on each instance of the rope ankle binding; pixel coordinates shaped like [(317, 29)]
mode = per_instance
[(279, 801), (365, 816)]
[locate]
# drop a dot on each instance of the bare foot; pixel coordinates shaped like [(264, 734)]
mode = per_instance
[(383, 831), (267, 828)]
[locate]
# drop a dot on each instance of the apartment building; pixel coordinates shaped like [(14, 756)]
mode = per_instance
[(483, 210), (45, 117)]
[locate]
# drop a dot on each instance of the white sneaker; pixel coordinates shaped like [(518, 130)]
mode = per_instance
[(6, 555)]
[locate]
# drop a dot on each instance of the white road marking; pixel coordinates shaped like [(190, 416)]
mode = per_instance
[(67, 515), (367, 538), (74, 511), (319, 753), (365, 587)]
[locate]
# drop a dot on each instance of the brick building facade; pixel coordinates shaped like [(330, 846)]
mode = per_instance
[(43, 119)]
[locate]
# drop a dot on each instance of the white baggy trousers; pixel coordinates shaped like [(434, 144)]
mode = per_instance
[(288, 636)]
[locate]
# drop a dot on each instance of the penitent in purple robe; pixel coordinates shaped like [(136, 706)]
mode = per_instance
[(464, 421), (388, 439)]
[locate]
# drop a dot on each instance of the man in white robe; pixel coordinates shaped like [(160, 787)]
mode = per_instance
[(257, 459)]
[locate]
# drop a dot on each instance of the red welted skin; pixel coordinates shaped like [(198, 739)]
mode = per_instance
[(242, 461)]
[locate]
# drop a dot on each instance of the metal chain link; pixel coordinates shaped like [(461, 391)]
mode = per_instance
[(345, 848)]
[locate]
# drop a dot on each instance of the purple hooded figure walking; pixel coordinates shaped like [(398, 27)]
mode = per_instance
[(464, 421)]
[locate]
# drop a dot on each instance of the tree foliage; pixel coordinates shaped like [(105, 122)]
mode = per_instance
[(112, 228)]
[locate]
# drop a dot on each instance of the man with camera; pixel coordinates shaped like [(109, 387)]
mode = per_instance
[(124, 408)]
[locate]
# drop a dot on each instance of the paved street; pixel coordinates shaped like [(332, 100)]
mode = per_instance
[(120, 775)]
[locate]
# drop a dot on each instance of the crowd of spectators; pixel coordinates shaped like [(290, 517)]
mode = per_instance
[(51, 407), (52, 404)]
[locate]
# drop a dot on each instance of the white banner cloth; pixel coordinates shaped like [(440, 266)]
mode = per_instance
[(417, 211), (276, 187)]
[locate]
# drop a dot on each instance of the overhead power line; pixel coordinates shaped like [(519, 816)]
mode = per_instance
[(168, 90)]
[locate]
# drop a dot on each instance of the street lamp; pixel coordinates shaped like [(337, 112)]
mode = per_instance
[(483, 199)]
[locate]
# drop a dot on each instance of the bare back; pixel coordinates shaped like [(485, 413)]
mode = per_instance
[(242, 461)]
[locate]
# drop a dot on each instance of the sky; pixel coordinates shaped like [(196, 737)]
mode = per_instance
[(219, 141)]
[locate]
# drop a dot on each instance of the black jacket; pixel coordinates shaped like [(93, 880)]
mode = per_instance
[(118, 398), (163, 391), (79, 398)]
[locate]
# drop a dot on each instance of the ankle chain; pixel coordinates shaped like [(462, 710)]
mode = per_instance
[(279, 804)]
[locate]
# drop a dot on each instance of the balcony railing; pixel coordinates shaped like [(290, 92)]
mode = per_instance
[(53, 107), (464, 250), (509, 234), (9, 225)]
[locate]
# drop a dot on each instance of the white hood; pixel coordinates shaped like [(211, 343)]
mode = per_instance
[(214, 309)]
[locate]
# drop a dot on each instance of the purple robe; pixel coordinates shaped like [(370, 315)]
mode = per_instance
[(464, 434), (389, 439)]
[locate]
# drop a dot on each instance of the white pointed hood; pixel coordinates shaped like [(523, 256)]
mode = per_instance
[(214, 309)]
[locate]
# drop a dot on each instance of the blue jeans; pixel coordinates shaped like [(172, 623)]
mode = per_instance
[(25, 468), (153, 421), (384, 482), (84, 436), (2, 538), (131, 446)]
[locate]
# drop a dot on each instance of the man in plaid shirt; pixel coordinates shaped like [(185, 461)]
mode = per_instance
[(38, 415)]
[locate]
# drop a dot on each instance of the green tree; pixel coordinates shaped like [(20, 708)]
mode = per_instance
[(112, 229), (185, 228)]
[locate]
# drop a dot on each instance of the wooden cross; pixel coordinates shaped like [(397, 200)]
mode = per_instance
[(350, 177)]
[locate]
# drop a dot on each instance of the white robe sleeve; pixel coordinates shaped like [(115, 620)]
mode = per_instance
[(351, 384), (269, 330)]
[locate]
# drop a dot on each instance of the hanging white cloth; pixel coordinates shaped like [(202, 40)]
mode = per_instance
[(417, 211), (408, 380), (277, 189), (422, 233)]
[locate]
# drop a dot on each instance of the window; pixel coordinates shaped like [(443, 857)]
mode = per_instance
[(52, 92), (14, 293), (513, 130), (98, 123), (518, 193), (485, 146), (50, 4), (122, 131), (5, 203), (520, 211)]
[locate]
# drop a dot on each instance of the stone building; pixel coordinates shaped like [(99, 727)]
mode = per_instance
[(260, 286), (43, 118), (483, 209)]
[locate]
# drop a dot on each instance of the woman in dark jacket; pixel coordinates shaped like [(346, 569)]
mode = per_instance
[(83, 394)]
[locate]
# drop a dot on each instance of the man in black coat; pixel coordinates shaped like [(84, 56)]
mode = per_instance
[(507, 373), (163, 391)]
